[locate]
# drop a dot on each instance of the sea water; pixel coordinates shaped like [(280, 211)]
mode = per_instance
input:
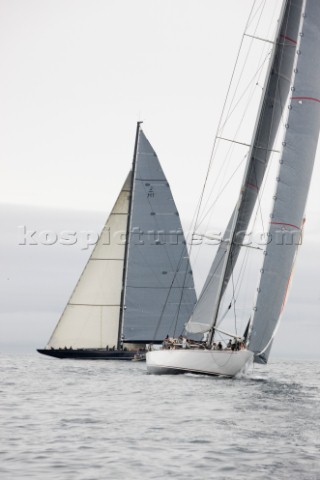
[(92, 420)]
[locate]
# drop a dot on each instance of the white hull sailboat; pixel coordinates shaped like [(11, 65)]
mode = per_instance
[(137, 285), (292, 91), (194, 360)]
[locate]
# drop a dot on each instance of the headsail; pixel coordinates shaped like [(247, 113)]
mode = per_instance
[(91, 317), (159, 289), (296, 164), (276, 92)]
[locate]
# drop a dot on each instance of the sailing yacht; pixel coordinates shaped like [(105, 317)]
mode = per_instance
[(292, 80), (137, 285)]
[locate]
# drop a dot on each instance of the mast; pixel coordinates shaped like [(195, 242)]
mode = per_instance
[(126, 251), (235, 217)]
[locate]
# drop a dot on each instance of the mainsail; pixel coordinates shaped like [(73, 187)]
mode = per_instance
[(136, 289), (277, 87), (295, 170), (159, 289)]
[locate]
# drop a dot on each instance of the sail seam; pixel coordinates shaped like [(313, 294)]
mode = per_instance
[(152, 179), (108, 259), (161, 288), (94, 304)]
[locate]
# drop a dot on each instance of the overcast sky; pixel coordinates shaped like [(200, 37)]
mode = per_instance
[(75, 77)]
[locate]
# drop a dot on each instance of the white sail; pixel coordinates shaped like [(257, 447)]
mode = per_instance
[(295, 170), (276, 92), (91, 317)]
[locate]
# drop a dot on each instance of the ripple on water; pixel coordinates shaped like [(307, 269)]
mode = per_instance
[(66, 419)]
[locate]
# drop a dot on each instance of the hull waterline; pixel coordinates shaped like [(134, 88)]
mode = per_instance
[(91, 354), (209, 362)]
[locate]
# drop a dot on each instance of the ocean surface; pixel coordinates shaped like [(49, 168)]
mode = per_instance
[(86, 420)]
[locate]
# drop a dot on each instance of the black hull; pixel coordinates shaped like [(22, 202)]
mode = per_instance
[(91, 354)]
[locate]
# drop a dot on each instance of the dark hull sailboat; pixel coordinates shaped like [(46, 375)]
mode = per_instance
[(90, 353), (137, 286)]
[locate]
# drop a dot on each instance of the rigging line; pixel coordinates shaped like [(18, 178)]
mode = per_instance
[(259, 38), (218, 128), (233, 295), (242, 272), (248, 145), (254, 76), (215, 201), (221, 191), (228, 156), (282, 104), (259, 195), (257, 10), (234, 141), (258, 209), (166, 302), (221, 117), (238, 284), (233, 278), (234, 222), (243, 67), (176, 270), (273, 21), (223, 317), (181, 296), (183, 290)]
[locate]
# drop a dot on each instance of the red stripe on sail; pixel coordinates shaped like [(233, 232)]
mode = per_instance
[(286, 224), (289, 39), (250, 185), (286, 293), (306, 98)]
